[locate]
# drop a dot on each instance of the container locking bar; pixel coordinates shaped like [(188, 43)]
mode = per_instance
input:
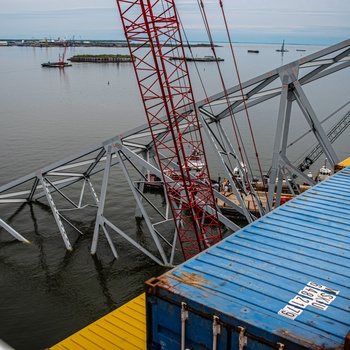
[(242, 338), (184, 317), (216, 331)]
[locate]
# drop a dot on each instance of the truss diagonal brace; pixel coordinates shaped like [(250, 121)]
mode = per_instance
[(104, 221), (243, 208), (55, 212), (99, 217), (140, 206), (315, 124), (12, 232)]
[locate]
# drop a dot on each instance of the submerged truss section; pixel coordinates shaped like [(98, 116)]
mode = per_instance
[(87, 178), (73, 182)]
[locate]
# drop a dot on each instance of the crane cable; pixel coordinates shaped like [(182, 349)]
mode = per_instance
[(238, 136), (243, 98), (203, 85), (324, 120), (234, 124), (199, 77), (221, 140)]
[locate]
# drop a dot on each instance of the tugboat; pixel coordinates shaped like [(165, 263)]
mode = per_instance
[(324, 173), (60, 63), (195, 165)]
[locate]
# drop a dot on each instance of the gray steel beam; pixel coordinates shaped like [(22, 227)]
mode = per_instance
[(283, 150), (278, 141), (247, 96), (12, 231), (143, 211), (315, 124), (55, 212), (99, 217)]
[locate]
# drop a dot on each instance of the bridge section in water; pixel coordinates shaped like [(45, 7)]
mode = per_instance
[(130, 158)]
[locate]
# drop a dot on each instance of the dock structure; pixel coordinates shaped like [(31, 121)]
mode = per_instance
[(101, 58), (280, 282), (198, 59)]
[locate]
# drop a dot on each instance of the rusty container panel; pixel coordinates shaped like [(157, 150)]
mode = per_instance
[(282, 282)]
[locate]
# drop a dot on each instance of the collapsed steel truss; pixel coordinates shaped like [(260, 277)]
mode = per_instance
[(134, 154)]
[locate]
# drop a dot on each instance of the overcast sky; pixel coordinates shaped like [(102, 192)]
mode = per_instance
[(315, 22)]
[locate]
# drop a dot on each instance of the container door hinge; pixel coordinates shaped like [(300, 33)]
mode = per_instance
[(216, 331), (242, 338), (184, 317), (281, 346)]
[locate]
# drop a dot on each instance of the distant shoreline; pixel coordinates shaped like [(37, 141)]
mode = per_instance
[(123, 44), (78, 43)]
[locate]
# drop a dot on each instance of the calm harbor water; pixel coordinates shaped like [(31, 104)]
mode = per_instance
[(48, 293)]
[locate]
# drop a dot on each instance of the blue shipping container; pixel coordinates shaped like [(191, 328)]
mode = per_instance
[(281, 282)]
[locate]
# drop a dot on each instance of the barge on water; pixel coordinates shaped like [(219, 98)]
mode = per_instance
[(197, 59), (281, 282), (61, 63), (56, 64), (101, 58)]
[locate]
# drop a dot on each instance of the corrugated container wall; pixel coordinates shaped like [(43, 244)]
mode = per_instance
[(281, 282)]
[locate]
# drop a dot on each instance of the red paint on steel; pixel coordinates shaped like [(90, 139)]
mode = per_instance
[(166, 90)]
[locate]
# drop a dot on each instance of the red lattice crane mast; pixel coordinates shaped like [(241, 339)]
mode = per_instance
[(152, 31), (61, 60)]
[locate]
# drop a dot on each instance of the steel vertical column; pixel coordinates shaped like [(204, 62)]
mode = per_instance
[(99, 217), (283, 148), (278, 140)]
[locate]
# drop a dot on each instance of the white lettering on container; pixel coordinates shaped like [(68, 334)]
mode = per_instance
[(313, 295)]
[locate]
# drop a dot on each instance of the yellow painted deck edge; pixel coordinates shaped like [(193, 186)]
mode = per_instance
[(342, 164), (123, 328)]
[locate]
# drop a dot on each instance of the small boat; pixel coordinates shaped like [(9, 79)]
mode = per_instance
[(253, 51), (195, 165), (324, 173), (60, 63), (282, 49)]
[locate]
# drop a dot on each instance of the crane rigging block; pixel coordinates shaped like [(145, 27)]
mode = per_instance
[(166, 90)]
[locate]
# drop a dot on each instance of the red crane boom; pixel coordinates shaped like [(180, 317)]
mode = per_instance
[(166, 90), (61, 61)]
